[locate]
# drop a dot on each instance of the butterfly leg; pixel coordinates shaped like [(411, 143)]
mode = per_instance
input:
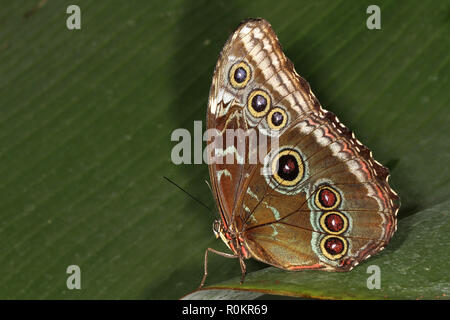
[(243, 269), (223, 254)]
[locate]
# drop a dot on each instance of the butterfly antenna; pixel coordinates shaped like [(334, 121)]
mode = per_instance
[(209, 186), (190, 195)]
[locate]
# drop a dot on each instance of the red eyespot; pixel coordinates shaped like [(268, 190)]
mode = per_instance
[(334, 222), (334, 246), (327, 198)]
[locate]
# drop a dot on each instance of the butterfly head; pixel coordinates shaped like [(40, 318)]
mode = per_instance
[(231, 238), (220, 232), (217, 228)]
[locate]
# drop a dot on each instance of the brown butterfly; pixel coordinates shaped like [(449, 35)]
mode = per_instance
[(319, 200)]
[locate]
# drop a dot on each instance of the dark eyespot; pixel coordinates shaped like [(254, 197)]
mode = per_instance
[(240, 75), (288, 167), (259, 103), (277, 118)]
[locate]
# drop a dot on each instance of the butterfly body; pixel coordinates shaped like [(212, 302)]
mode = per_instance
[(316, 199)]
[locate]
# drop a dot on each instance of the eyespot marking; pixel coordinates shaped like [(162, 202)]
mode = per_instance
[(288, 167), (258, 103), (334, 222), (239, 75), (333, 247), (327, 198), (277, 118)]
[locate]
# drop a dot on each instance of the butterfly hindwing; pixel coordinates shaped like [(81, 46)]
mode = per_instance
[(359, 214)]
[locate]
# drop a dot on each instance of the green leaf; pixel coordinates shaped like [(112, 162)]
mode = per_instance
[(86, 118), (407, 269)]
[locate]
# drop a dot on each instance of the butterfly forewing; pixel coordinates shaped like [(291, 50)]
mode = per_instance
[(256, 48)]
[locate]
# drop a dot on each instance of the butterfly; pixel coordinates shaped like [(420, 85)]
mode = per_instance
[(316, 201)]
